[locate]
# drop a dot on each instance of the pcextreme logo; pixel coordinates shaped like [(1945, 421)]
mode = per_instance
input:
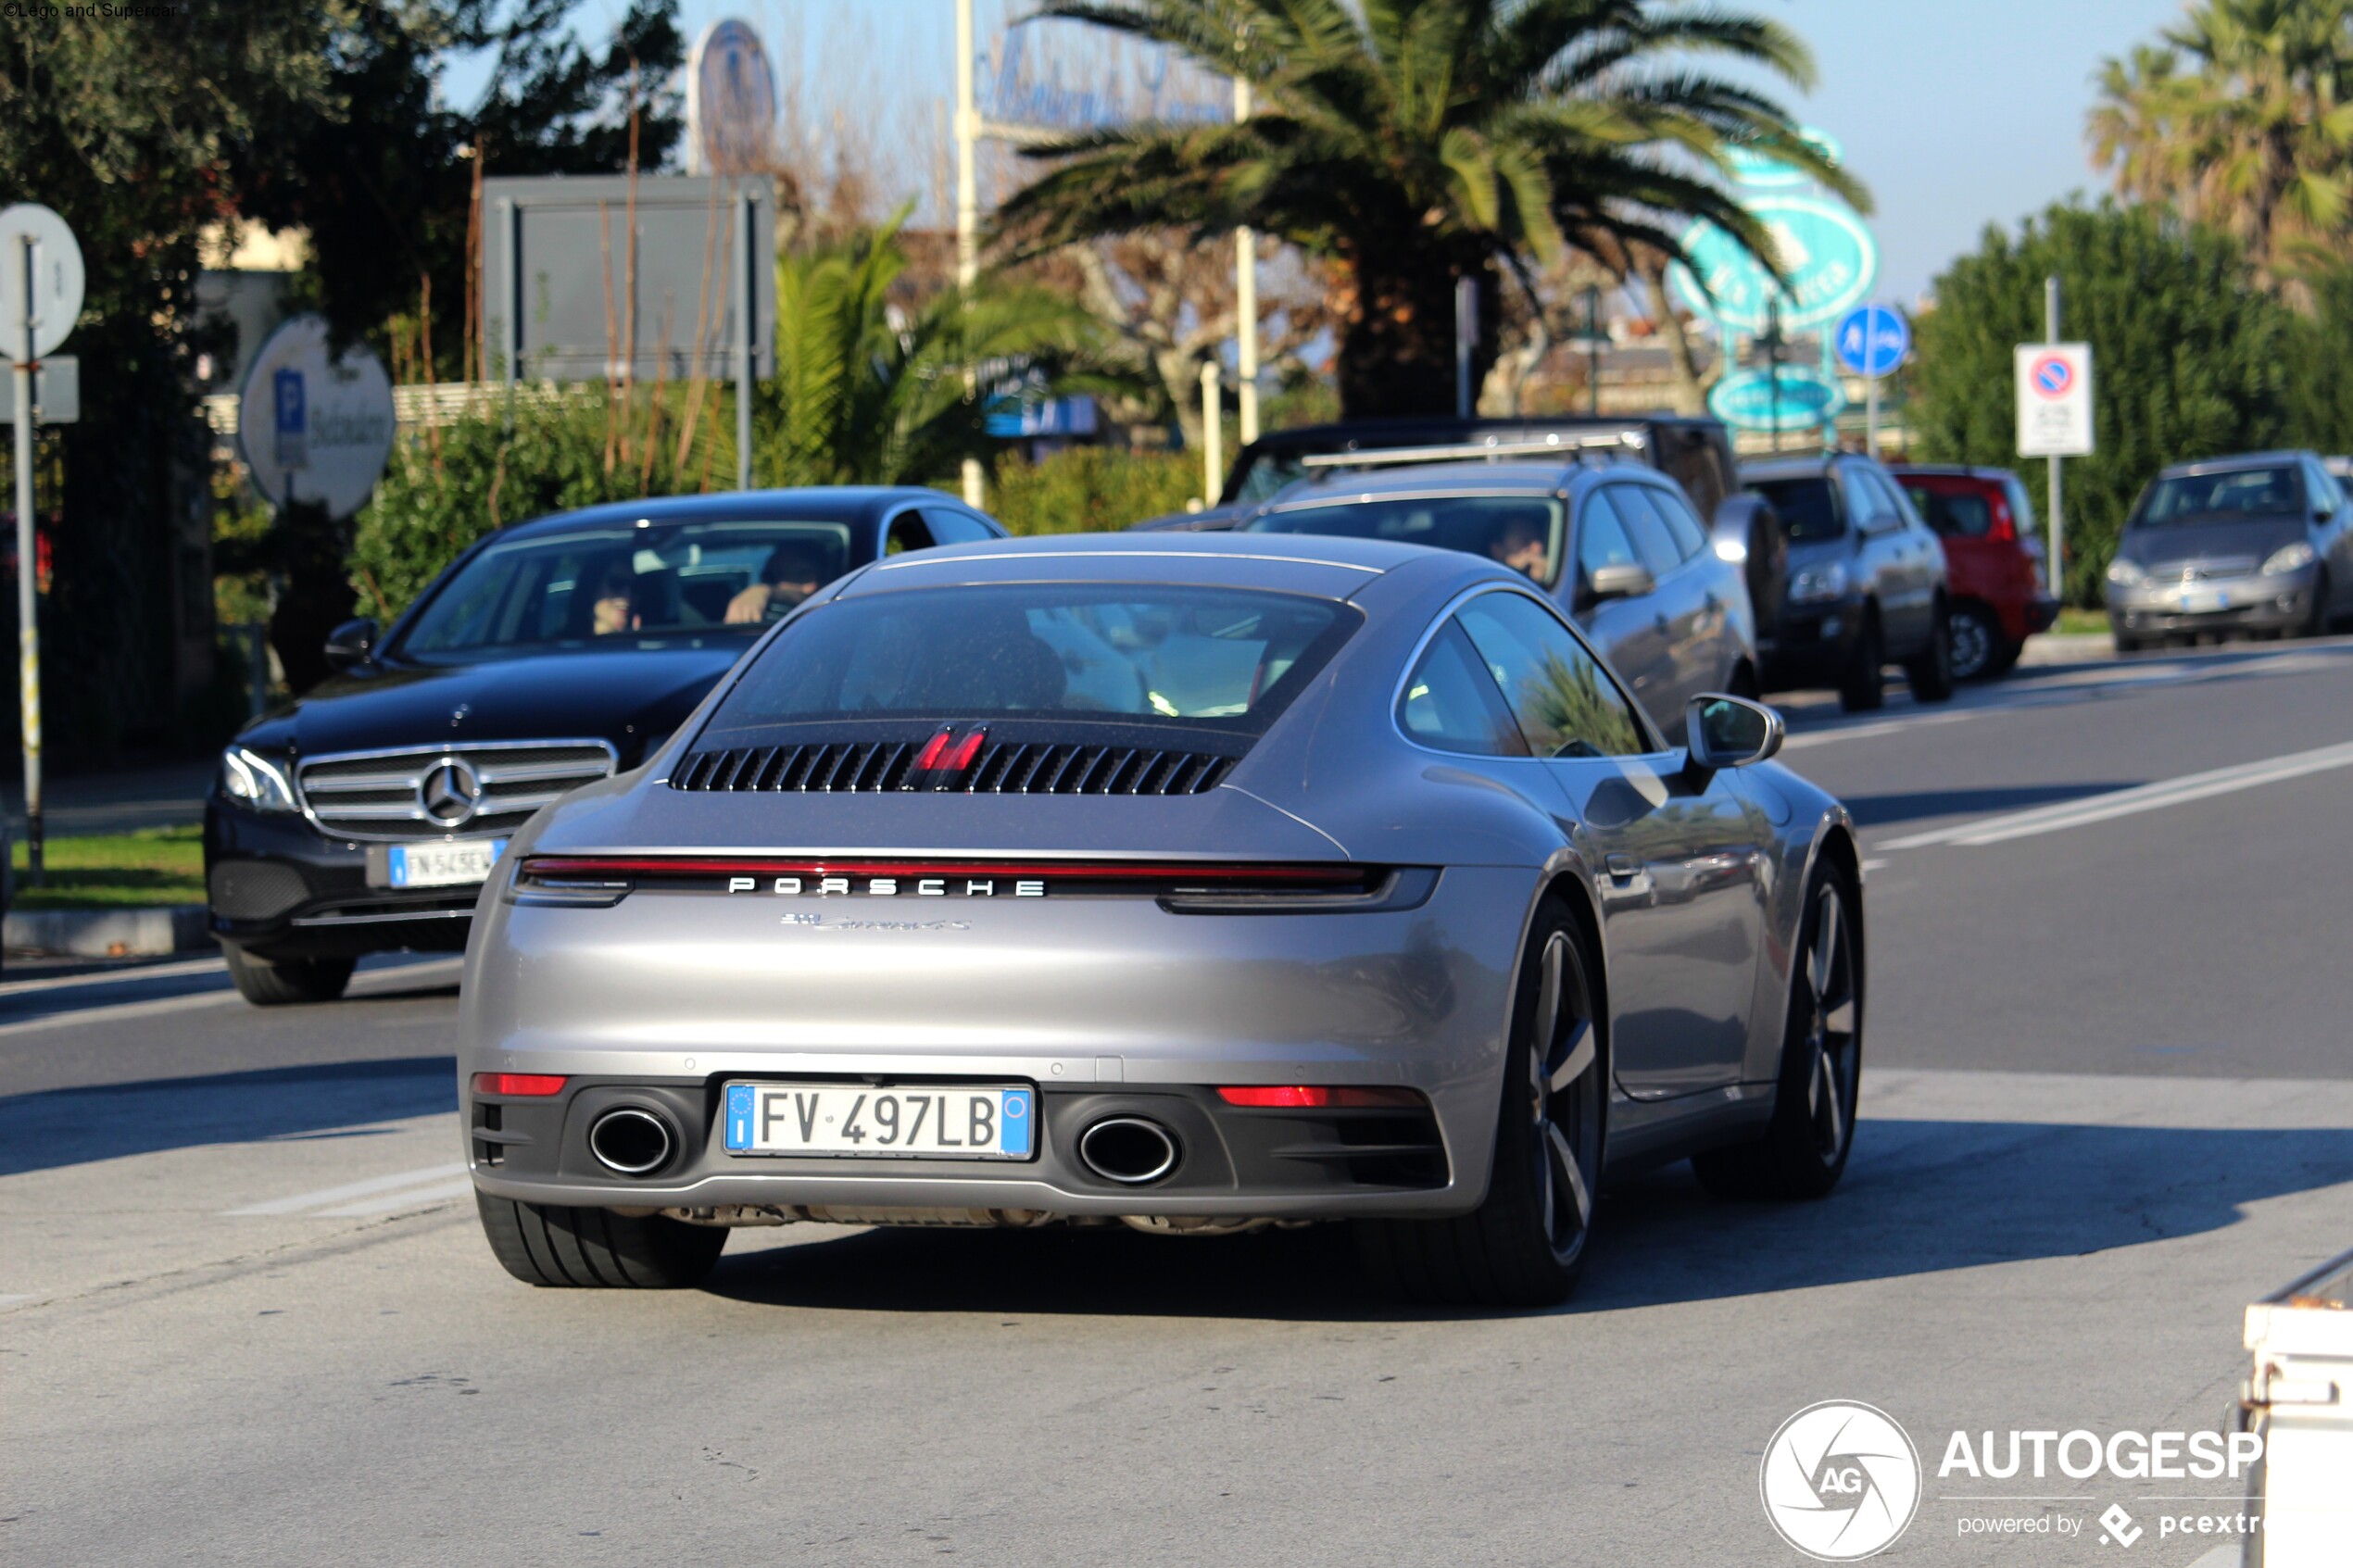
[(1840, 1481)]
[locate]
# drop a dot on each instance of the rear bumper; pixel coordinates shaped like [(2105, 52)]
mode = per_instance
[(2023, 618), (1106, 1005), (1813, 645)]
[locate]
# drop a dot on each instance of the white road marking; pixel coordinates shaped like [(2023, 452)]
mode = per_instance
[(375, 980), (116, 976), (400, 1200), (2127, 802), (1873, 865), (372, 1186)]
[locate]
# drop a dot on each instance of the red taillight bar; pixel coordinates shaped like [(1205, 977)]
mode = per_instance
[(1307, 1097), (525, 1086), (1099, 870)]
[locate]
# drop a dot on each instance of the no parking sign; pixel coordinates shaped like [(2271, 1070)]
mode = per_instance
[(2053, 399)]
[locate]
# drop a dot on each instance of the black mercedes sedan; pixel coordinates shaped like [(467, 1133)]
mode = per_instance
[(365, 816)]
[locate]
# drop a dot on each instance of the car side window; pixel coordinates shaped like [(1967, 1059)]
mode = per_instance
[(1690, 537), (1451, 705), (1893, 503), (1566, 702), (906, 532), (1601, 539), (949, 526), (1647, 527), (1861, 505), (2323, 487)]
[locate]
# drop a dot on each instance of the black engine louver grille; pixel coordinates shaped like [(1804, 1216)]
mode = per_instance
[(1015, 767)]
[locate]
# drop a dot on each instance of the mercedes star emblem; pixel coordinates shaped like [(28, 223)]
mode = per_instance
[(450, 791)]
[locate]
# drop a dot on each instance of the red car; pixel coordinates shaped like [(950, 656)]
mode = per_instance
[(1993, 560)]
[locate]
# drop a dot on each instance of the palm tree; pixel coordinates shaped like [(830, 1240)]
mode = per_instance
[(2243, 118), (871, 392), (1413, 143)]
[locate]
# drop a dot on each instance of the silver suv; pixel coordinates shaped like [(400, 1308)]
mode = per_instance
[(1614, 542)]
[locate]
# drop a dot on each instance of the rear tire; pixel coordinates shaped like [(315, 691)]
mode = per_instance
[(594, 1249), (1805, 1146), (2318, 624), (269, 985), (1525, 1244), (1932, 673), (1863, 686), (1978, 645)]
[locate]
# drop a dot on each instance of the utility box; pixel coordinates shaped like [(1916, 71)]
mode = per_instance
[(2300, 1400)]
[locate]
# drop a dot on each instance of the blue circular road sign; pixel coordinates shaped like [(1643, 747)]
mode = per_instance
[(1871, 341)]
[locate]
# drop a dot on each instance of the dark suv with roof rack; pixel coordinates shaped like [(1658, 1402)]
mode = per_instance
[(366, 816)]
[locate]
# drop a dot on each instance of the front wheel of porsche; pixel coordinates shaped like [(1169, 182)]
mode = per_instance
[(1525, 1246), (1805, 1145)]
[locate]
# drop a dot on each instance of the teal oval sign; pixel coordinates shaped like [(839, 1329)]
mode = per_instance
[(1827, 252), (1749, 400)]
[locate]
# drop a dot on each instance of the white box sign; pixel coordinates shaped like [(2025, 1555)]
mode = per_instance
[(2053, 399)]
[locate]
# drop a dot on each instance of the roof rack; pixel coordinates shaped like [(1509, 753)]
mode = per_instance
[(1550, 445)]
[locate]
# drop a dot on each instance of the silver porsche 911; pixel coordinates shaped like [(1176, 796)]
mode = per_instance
[(1195, 881)]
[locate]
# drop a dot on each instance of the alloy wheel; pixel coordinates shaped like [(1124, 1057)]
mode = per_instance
[(1833, 1019), (1972, 644), (1565, 1073)]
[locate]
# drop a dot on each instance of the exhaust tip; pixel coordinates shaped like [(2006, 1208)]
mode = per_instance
[(632, 1141), (1129, 1149)]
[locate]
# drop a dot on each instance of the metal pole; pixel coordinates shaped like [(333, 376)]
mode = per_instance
[(745, 294), (1592, 350), (1246, 298), (510, 230), (1466, 334), (1212, 438), (2050, 334), (968, 203), (1871, 383), (27, 571)]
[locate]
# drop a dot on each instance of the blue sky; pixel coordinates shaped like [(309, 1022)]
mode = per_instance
[(1957, 113)]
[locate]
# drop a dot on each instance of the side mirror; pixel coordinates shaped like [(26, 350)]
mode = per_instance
[(1619, 580), (1729, 732), (351, 644)]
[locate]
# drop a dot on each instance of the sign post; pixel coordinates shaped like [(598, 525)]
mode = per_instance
[(2054, 408), (41, 282), (1871, 342)]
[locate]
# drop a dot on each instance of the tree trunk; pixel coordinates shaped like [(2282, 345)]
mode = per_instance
[(1397, 336), (1682, 359)]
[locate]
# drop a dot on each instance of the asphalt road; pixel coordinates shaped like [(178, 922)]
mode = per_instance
[(245, 1314)]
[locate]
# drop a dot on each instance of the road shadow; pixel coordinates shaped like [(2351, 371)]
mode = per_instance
[(1920, 1198), (54, 1127), (1879, 810)]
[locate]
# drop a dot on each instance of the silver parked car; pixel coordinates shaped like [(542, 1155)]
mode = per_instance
[(1198, 882), (2261, 544), (1613, 542)]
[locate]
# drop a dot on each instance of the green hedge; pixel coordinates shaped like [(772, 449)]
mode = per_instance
[(1091, 489)]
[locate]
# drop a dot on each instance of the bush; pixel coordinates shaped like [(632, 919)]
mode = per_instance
[(441, 493), (1091, 489), (2187, 359)]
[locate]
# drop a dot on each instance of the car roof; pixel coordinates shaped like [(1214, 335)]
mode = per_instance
[(1316, 565), (1374, 435), (825, 503), (2233, 461), (1812, 465), (1953, 470), (1341, 486)]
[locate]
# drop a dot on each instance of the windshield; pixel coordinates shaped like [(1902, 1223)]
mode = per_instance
[(1221, 660), (1805, 504), (1522, 532), (626, 586), (2249, 494), (1263, 474)]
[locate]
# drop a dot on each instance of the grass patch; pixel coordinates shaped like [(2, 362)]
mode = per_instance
[(117, 870), (2072, 619)]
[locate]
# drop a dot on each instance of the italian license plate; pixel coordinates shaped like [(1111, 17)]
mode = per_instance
[(2209, 599), (449, 864), (910, 1122)]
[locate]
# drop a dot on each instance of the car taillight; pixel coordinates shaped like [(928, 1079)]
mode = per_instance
[(1309, 1097), (525, 1086), (2004, 526)]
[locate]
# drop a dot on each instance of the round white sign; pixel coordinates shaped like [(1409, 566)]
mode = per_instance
[(731, 101), (1840, 1480), (310, 430), (29, 231)]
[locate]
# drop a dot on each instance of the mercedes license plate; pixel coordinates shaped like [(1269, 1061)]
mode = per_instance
[(447, 863), (908, 1121)]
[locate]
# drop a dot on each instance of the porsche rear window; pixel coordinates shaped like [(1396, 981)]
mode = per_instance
[(1220, 659)]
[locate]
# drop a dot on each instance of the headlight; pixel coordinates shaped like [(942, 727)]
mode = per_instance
[(254, 779), (1817, 583), (2124, 573), (2289, 558)]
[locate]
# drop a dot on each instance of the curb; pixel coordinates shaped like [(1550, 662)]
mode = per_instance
[(109, 934)]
